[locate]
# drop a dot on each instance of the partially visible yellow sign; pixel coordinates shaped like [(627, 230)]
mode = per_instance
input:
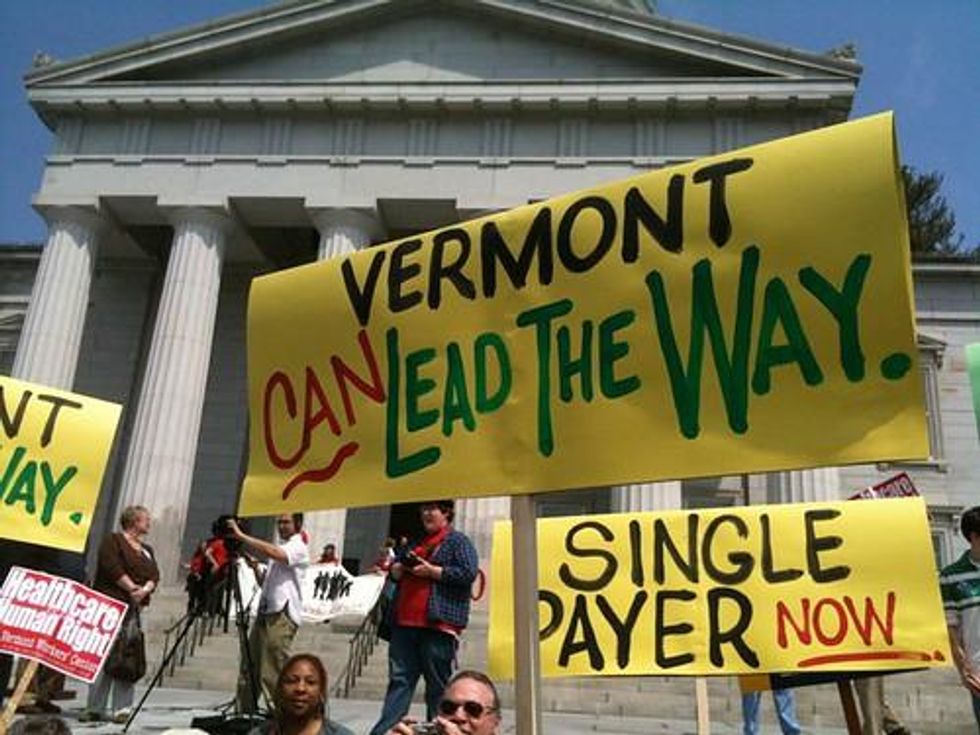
[(742, 313), (54, 446), (784, 588)]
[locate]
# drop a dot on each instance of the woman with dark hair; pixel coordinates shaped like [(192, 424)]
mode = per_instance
[(126, 570), (301, 701)]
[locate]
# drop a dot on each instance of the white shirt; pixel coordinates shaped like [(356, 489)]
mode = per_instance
[(283, 581)]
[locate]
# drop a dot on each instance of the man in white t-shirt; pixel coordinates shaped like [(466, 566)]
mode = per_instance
[(280, 608)]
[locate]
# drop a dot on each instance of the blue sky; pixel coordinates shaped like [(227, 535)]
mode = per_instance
[(920, 59)]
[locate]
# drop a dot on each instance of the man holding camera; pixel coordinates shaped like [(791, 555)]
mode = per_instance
[(280, 607), (429, 612), (469, 706)]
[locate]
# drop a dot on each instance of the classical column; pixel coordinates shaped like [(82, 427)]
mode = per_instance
[(163, 446), (475, 517), (647, 496), (342, 231), (52, 335), (807, 486)]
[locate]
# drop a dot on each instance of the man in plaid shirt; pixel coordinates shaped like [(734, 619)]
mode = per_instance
[(429, 612), (960, 582)]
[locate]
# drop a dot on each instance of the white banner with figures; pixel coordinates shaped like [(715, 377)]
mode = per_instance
[(328, 590), (248, 585)]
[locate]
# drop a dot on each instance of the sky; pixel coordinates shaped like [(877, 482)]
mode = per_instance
[(920, 60)]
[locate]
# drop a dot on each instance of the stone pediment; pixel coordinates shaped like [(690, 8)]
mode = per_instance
[(438, 41), (428, 46)]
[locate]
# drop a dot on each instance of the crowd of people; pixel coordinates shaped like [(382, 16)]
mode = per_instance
[(429, 583)]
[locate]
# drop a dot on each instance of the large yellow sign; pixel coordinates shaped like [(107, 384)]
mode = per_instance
[(741, 313), (54, 446), (819, 587)]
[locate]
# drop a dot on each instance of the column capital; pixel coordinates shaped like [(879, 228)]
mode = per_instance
[(87, 216), (215, 217), (329, 218)]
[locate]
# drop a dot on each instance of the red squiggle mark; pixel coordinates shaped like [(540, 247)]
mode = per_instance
[(837, 658), (324, 473)]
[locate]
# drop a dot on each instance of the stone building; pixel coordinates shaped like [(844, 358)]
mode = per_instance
[(185, 164)]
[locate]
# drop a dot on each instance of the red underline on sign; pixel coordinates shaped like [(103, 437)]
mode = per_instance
[(324, 473), (838, 658)]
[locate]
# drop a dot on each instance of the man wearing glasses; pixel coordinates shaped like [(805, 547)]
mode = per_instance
[(280, 608), (469, 706)]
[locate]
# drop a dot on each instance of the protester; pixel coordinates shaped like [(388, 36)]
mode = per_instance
[(195, 584), (301, 701), (280, 608), (215, 569), (960, 583), (469, 706), (431, 607), (785, 711), (126, 570), (329, 555), (386, 557), (877, 716)]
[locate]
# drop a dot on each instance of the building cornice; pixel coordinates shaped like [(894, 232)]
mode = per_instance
[(939, 270), (699, 93)]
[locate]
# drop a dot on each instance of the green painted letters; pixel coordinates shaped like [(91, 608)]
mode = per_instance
[(778, 307), (843, 306)]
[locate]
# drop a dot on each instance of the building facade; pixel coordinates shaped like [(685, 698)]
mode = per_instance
[(185, 165)]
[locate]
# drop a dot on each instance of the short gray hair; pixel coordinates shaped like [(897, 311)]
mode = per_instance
[(129, 515)]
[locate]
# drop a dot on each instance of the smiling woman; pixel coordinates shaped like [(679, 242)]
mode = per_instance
[(301, 701)]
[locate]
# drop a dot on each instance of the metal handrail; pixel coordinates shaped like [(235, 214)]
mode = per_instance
[(201, 629), (361, 647)]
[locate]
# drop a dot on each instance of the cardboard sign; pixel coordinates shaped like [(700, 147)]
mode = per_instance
[(330, 591), (897, 486), (756, 589), (973, 368), (54, 446), (747, 312), (58, 622)]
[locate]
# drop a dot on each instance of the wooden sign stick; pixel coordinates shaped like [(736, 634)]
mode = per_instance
[(14, 703), (703, 710), (527, 657), (846, 692)]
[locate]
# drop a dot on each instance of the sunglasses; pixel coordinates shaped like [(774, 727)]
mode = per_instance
[(472, 709)]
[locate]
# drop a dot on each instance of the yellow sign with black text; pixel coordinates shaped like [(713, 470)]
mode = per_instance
[(741, 313), (784, 588), (54, 446)]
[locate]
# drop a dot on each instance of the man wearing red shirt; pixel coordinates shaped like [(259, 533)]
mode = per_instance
[(430, 610)]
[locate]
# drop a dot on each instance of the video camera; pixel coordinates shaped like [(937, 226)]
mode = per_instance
[(220, 528)]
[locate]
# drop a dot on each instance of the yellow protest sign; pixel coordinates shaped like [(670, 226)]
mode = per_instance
[(816, 587), (746, 312), (54, 447)]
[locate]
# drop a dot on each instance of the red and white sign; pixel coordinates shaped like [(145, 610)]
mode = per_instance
[(58, 622), (899, 486)]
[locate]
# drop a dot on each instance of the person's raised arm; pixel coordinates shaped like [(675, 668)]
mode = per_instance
[(266, 548)]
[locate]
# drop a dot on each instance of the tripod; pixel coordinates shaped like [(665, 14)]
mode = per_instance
[(215, 724)]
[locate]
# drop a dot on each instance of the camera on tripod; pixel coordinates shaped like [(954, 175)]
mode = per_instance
[(220, 528)]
